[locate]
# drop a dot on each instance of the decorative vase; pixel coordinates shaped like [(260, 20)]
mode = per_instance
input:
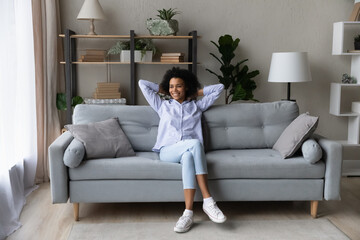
[(159, 27), (139, 56), (357, 45)]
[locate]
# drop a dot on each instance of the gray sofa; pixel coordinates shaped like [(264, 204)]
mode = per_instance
[(242, 165)]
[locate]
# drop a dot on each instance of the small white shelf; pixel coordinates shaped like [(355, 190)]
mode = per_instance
[(345, 143), (343, 37), (341, 98)]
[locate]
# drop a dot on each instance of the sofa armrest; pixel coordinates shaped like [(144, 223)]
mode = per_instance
[(333, 166), (59, 179)]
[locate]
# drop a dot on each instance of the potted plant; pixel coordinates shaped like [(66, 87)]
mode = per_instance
[(237, 80), (357, 42), (61, 101), (144, 50), (164, 25), (347, 79)]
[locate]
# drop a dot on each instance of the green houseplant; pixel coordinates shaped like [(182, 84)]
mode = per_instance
[(61, 101), (164, 25), (142, 46), (237, 80), (357, 42)]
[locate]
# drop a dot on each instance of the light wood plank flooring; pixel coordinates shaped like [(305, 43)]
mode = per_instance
[(43, 220)]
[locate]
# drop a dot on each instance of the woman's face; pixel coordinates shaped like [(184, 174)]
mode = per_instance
[(177, 89)]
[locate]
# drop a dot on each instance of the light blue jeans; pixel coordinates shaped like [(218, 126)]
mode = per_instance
[(190, 153)]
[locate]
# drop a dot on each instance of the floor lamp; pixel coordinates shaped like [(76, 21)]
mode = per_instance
[(289, 67)]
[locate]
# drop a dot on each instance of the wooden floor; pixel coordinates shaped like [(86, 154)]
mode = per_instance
[(43, 220)]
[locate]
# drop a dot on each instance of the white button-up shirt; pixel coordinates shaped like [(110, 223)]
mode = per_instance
[(178, 121)]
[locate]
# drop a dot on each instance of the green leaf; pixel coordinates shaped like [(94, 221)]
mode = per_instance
[(61, 101), (215, 44), (253, 74), (216, 58), (239, 93), (167, 14), (76, 100), (237, 81)]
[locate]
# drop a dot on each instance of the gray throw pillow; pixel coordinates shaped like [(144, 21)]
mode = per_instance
[(103, 139), (311, 151), (74, 154), (295, 134)]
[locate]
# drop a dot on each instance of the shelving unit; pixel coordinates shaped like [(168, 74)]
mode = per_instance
[(71, 60), (345, 98)]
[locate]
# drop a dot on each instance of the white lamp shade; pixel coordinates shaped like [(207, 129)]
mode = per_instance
[(91, 9), (289, 67)]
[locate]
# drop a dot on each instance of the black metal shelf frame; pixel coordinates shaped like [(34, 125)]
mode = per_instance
[(70, 68)]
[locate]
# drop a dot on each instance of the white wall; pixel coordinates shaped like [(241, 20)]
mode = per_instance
[(263, 26)]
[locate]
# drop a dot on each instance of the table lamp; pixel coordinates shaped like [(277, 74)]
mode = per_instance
[(91, 10), (289, 67)]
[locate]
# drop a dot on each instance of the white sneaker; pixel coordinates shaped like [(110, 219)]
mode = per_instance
[(214, 213), (183, 224)]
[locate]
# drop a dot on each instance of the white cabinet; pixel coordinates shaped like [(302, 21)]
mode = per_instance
[(345, 98)]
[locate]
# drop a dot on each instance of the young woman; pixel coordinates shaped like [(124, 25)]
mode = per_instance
[(180, 139)]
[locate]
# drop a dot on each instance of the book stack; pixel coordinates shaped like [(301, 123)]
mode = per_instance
[(93, 55), (172, 57), (106, 90)]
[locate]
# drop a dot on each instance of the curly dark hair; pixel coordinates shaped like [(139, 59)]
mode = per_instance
[(191, 82)]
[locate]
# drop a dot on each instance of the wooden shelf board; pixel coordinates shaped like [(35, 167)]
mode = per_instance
[(163, 37), (97, 62), (97, 36), (164, 63), (127, 36), (153, 63)]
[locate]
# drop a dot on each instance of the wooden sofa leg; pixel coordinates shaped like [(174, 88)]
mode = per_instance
[(76, 211), (313, 208)]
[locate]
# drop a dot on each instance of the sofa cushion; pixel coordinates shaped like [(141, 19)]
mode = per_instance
[(260, 163), (311, 151), (142, 166), (222, 164), (247, 125), (74, 153), (295, 134), (102, 139), (139, 123)]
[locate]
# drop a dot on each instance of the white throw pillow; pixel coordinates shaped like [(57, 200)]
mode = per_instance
[(311, 150), (295, 134), (74, 154)]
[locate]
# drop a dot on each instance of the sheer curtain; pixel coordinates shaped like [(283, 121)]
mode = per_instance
[(18, 154)]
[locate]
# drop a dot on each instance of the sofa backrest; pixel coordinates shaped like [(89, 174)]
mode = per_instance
[(247, 125), (233, 126)]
